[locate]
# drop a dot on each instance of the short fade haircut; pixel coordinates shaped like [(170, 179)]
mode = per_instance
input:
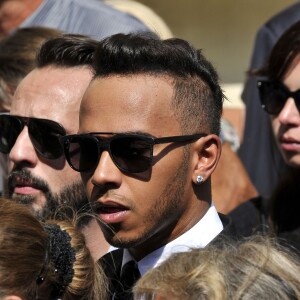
[(68, 50), (198, 97)]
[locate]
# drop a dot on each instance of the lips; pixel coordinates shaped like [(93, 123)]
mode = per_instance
[(110, 211), (289, 144)]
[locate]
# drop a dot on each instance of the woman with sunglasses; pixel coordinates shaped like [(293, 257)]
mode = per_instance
[(279, 90), (46, 261)]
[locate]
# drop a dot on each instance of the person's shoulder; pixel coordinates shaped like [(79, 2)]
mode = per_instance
[(111, 263), (291, 11), (284, 19), (229, 229), (107, 12), (228, 233), (112, 259), (291, 239), (249, 217)]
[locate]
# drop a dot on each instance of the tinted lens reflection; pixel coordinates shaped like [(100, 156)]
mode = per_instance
[(45, 136), (131, 154), (273, 96), (83, 153), (10, 129)]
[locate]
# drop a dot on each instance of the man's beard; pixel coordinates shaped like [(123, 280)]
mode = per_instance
[(168, 203), (72, 198)]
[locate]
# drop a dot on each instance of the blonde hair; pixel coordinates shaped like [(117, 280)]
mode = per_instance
[(89, 281), (258, 268), (23, 249)]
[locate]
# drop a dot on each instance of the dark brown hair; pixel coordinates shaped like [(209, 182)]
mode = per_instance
[(68, 50)]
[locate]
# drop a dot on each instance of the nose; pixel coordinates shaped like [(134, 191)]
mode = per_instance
[(23, 150), (106, 172), (289, 115)]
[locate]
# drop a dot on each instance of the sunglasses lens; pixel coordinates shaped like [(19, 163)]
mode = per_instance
[(10, 129), (45, 137), (131, 154), (82, 153), (273, 97)]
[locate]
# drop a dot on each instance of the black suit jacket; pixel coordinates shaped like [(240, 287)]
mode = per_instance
[(112, 261)]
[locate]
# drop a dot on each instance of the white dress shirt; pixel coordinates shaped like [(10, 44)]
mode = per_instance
[(198, 236)]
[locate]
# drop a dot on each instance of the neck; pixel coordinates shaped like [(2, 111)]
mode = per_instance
[(95, 240), (191, 216)]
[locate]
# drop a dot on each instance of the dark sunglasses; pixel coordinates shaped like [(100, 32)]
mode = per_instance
[(131, 153), (274, 94), (44, 134)]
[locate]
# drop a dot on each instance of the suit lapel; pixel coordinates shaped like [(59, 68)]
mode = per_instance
[(112, 261), (228, 233), (112, 264)]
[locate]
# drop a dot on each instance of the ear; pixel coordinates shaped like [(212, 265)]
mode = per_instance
[(12, 298), (206, 154)]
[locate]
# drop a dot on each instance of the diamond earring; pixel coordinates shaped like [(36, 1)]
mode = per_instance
[(199, 179)]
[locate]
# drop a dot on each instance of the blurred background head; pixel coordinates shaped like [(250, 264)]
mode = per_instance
[(17, 58)]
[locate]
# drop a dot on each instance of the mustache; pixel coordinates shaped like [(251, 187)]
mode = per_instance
[(24, 176)]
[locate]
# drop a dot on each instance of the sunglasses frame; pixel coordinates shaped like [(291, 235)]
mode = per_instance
[(266, 84), (105, 146), (25, 121)]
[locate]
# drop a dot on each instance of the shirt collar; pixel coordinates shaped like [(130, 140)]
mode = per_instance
[(201, 234)]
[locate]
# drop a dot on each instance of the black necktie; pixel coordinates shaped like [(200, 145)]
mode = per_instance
[(129, 276)]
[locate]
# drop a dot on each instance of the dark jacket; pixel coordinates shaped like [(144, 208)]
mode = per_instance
[(112, 261), (258, 152)]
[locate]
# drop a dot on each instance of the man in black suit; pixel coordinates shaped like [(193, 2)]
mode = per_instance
[(147, 146)]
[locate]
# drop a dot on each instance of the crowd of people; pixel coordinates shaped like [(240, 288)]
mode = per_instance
[(114, 161)]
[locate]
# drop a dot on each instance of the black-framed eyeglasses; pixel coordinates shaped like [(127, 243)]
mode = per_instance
[(131, 153), (274, 94), (44, 134)]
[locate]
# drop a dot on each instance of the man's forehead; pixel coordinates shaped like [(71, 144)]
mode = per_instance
[(129, 89), (58, 75), (58, 84), (52, 93), (133, 101)]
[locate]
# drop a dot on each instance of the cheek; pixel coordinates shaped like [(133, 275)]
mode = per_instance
[(164, 175), (275, 129), (58, 178), (10, 165), (275, 125), (86, 179)]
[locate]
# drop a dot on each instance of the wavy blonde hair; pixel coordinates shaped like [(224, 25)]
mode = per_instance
[(258, 268), (89, 281)]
